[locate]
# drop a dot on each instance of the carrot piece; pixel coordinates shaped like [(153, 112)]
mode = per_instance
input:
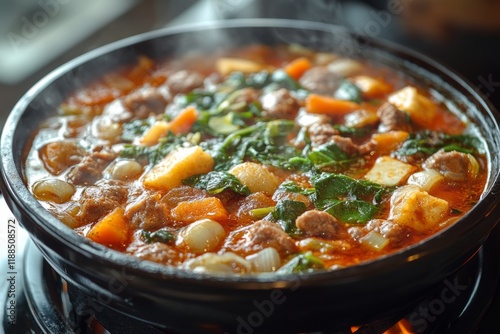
[(155, 132), (190, 211), (183, 122), (389, 141), (297, 67), (320, 104), (112, 230)]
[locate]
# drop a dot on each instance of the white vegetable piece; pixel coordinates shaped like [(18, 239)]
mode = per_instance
[(345, 66), (178, 165), (374, 240), (413, 207), (123, 170), (218, 263), (201, 236), (474, 165), (426, 179), (256, 177), (388, 171), (360, 118), (227, 65), (420, 108), (105, 128), (306, 119), (53, 190), (266, 260)]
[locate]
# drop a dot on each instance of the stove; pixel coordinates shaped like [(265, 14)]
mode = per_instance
[(36, 299)]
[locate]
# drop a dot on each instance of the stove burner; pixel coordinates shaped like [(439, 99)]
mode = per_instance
[(460, 304)]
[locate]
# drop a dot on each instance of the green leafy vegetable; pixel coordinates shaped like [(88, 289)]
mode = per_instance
[(347, 199), (264, 142), (352, 211), (161, 235), (203, 100), (136, 128), (285, 214), (294, 188), (428, 143), (302, 263), (260, 213), (155, 153), (349, 91), (216, 182), (350, 131), (329, 155)]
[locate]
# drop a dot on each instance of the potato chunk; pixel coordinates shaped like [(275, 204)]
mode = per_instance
[(256, 177), (388, 171), (178, 165), (421, 109), (415, 208), (226, 66)]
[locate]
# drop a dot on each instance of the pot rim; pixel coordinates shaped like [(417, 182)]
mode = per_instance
[(17, 192)]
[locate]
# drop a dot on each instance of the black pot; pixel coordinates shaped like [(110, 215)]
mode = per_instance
[(169, 298)]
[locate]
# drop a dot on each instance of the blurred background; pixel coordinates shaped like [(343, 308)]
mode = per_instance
[(37, 36)]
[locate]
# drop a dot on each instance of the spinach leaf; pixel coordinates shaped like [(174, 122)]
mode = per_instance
[(294, 188), (286, 212), (302, 263), (351, 131), (136, 128), (282, 78), (264, 80), (153, 154), (352, 211), (347, 199), (330, 186), (262, 142), (329, 155), (161, 235), (348, 91), (216, 182), (429, 142)]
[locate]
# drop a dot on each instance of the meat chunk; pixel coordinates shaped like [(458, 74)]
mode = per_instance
[(392, 119), (453, 165), (90, 168), (96, 201), (182, 194), (182, 82), (242, 210), (321, 133), (260, 235), (319, 224), (148, 213), (155, 252), (346, 145), (146, 101), (320, 80), (280, 104), (397, 234), (387, 229), (59, 156)]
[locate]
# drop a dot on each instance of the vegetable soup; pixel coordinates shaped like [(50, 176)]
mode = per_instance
[(258, 159)]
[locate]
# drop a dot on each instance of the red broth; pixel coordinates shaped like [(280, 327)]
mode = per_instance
[(256, 160)]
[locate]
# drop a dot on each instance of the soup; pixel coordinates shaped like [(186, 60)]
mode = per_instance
[(258, 159)]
